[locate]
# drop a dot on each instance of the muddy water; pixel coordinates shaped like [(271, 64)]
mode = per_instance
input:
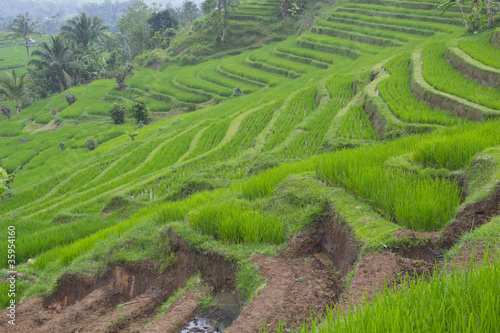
[(217, 319)]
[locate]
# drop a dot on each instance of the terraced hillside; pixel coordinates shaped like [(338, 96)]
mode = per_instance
[(362, 150)]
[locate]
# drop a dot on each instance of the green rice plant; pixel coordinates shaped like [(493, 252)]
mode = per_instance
[(209, 73), (5, 291), (369, 31), (460, 301), (30, 243), (157, 105), (264, 183), (392, 20), (440, 74), (234, 222), (63, 255), (210, 138), (383, 8), (455, 151), (359, 23), (301, 106), (357, 125), (43, 118), (396, 94), (265, 55), (9, 129), (289, 46), (169, 153), (189, 78), (479, 47), (416, 201), (310, 134), (162, 83), (401, 13), (233, 65), (18, 159), (340, 42)]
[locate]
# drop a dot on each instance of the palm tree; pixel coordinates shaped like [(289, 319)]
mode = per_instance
[(57, 55), (23, 27), (84, 30), (14, 86)]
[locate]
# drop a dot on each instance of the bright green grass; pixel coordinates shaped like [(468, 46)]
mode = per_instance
[(370, 31), (234, 65), (189, 78), (461, 301), (480, 48), (302, 105), (209, 73), (341, 42), (161, 82), (265, 55), (417, 202), (423, 13), (357, 125), (456, 151), (395, 93), (440, 74), (359, 23), (210, 138), (366, 17), (289, 46), (311, 132), (233, 222), (34, 242)]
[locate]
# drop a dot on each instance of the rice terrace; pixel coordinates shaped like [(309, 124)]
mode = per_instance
[(250, 166)]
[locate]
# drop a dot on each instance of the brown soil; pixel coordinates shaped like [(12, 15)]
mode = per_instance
[(374, 272), (303, 279), (179, 313), (471, 217), (124, 299), (296, 288), (427, 248)]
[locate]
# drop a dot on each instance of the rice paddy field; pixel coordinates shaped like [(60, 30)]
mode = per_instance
[(347, 178)]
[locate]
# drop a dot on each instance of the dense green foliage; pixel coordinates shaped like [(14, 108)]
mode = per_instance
[(239, 152)]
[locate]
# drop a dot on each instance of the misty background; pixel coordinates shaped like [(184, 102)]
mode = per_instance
[(52, 14)]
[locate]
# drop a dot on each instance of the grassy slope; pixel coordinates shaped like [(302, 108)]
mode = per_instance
[(124, 193)]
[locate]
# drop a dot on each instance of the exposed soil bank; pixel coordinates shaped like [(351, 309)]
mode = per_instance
[(123, 300), (304, 279)]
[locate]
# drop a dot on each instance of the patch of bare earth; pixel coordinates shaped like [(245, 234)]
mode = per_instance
[(178, 314), (296, 289)]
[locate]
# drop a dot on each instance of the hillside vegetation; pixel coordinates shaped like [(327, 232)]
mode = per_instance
[(377, 126)]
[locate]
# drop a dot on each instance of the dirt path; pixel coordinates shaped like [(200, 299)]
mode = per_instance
[(296, 288)]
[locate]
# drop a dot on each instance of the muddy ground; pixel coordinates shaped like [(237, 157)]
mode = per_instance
[(304, 278)]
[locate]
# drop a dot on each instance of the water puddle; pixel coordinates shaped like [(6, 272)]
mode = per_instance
[(218, 318)]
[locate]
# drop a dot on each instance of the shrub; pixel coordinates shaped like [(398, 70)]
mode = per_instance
[(117, 113), (140, 111), (61, 145), (91, 143), (70, 98), (6, 110), (237, 92)]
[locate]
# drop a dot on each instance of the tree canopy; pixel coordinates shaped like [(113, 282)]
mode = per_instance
[(23, 27), (14, 86), (84, 30)]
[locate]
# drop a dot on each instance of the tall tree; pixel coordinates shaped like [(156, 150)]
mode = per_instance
[(56, 55), (207, 6), (189, 12), (85, 30), (162, 20), (14, 86), (134, 27), (23, 27)]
